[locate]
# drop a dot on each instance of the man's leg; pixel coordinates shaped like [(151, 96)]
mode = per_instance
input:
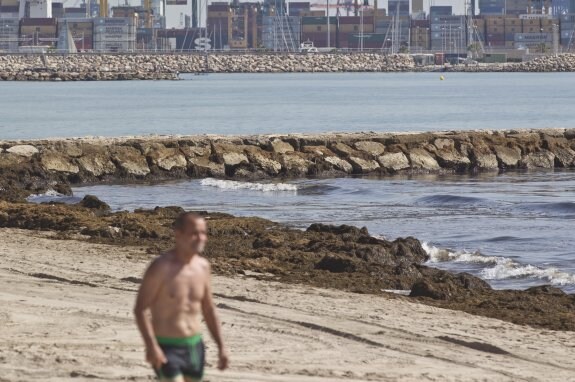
[(189, 379)]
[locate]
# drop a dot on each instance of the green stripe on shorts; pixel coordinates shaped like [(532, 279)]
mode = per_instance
[(183, 341)]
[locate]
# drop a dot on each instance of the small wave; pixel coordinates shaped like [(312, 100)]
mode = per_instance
[(498, 267), (504, 238), (47, 194), (440, 255), (450, 199), (513, 270), (558, 207), (236, 185)]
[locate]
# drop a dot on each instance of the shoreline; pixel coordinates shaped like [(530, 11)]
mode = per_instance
[(106, 67), (344, 258), (73, 300), (36, 166)]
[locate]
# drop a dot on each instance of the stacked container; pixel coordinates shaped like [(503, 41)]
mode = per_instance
[(114, 34), (567, 30), (9, 34)]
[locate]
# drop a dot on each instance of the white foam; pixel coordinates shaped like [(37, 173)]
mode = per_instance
[(512, 270), (49, 193), (499, 268), (235, 185)]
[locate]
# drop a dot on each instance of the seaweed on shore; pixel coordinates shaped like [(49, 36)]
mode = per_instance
[(339, 257)]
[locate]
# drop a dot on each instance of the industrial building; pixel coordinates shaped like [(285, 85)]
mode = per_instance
[(536, 26)]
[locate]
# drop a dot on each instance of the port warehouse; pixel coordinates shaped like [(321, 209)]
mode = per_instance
[(499, 25)]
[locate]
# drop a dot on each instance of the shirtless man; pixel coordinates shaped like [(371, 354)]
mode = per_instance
[(176, 288)]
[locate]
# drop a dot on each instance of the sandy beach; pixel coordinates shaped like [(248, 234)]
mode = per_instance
[(66, 314)]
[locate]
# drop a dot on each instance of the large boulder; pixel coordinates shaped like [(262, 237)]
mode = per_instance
[(540, 159), (268, 165), (339, 164), (92, 202), (342, 149), (507, 157), (421, 159), (452, 159), (52, 161), (204, 167), (444, 143), (167, 158), (294, 164), (484, 159), (564, 157), (363, 166), (97, 164), (280, 147), (372, 148), (233, 159), (394, 161), (23, 150), (130, 160)]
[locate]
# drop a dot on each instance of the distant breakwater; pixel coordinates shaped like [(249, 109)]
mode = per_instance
[(36, 166), (101, 67), (168, 66)]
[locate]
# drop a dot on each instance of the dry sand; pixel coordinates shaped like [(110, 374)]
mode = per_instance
[(65, 314)]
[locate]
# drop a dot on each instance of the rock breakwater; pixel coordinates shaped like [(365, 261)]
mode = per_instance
[(167, 66), (36, 166), (551, 63)]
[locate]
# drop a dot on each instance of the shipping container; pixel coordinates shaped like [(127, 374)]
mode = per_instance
[(514, 29), (420, 23), (492, 10), (496, 43), (312, 13), (437, 10), (351, 28), (495, 57), (318, 20), (531, 22), (533, 37), (494, 29), (439, 58), (495, 21)]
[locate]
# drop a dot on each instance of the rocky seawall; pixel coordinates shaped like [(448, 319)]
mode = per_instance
[(98, 67), (167, 66), (559, 63), (36, 166)]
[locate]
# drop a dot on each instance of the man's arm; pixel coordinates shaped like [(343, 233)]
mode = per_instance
[(212, 320), (147, 294)]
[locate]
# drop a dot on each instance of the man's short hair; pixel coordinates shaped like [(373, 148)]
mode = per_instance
[(185, 218)]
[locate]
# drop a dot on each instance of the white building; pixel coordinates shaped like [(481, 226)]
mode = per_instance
[(40, 9)]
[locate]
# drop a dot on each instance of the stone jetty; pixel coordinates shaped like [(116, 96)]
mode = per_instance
[(98, 67), (167, 66), (36, 166)]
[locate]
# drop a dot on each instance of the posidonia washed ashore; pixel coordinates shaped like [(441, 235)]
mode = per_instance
[(100, 67)]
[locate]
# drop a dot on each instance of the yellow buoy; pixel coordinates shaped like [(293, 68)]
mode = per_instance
[(441, 78)]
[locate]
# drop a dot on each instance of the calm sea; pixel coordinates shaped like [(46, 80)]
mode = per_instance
[(287, 103), (514, 229)]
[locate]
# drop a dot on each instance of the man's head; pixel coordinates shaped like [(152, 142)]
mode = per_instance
[(191, 233)]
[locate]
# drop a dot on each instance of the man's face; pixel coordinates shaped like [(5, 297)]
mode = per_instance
[(193, 236)]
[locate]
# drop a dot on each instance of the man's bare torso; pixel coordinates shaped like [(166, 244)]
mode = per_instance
[(178, 305)]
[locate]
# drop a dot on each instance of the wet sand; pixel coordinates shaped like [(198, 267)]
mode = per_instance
[(66, 315)]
